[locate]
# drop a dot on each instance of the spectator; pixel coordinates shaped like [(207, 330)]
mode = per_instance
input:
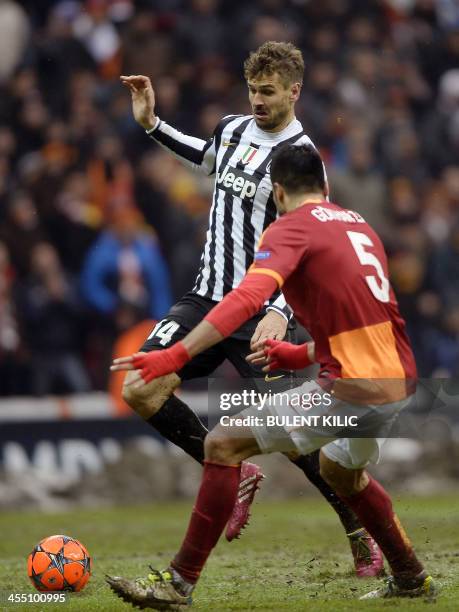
[(94, 27), (361, 187), (443, 341), (22, 231), (125, 265), (59, 55), (51, 317), (446, 269), (10, 339), (441, 128), (200, 31), (14, 33)]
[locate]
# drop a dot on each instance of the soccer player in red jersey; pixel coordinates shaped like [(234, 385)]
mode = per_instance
[(332, 269)]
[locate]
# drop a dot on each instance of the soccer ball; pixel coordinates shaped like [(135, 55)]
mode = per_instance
[(59, 563)]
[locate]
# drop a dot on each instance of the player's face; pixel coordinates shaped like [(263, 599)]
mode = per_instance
[(272, 102)]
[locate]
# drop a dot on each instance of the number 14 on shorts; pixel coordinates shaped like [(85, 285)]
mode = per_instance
[(164, 330)]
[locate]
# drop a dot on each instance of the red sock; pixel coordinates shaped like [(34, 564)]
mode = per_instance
[(214, 504), (373, 506)]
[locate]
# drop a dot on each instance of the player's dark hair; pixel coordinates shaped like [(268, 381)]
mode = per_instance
[(281, 57), (298, 168)]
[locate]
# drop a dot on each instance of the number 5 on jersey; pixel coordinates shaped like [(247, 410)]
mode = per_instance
[(164, 330), (380, 290)]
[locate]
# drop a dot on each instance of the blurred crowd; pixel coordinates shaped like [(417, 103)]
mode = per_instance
[(101, 230)]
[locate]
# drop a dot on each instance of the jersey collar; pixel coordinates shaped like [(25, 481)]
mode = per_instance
[(294, 127)]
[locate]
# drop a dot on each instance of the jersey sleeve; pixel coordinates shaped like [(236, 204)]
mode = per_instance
[(281, 249), (281, 307), (193, 152)]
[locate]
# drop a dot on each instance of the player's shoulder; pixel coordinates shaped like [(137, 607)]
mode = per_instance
[(288, 231), (227, 119), (291, 223), (227, 125), (304, 139)]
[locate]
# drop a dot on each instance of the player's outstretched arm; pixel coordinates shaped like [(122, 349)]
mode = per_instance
[(159, 363), (194, 152), (236, 308)]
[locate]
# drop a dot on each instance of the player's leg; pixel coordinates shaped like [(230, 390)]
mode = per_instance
[(310, 465), (339, 466), (368, 559), (225, 449), (173, 418), (367, 556), (156, 402)]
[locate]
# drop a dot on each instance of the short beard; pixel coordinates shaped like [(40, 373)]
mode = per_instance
[(278, 118)]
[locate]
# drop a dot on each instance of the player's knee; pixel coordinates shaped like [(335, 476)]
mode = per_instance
[(333, 473), (149, 398), (344, 481), (330, 476), (219, 448)]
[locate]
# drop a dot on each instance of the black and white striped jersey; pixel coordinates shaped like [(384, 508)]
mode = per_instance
[(239, 155)]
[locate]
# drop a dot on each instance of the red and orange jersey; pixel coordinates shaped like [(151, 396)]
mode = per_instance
[(333, 271)]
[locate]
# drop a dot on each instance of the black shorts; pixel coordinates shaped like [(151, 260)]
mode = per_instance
[(184, 316)]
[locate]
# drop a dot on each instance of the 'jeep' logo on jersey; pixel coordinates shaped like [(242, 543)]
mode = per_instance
[(238, 183)]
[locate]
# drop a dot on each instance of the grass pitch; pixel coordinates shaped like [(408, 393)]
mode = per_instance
[(293, 557)]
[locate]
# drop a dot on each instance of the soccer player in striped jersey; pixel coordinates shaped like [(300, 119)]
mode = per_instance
[(333, 271), (238, 155)]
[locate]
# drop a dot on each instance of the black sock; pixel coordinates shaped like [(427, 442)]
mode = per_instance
[(179, 424), (310, 465)]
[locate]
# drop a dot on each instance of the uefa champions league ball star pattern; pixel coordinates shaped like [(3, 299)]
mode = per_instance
[(59, 563)]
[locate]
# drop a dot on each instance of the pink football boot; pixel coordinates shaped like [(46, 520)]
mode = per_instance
[(368, 558), (251, 476)]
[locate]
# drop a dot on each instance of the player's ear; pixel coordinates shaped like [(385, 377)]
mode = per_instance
[(279, 195), (295, 90)]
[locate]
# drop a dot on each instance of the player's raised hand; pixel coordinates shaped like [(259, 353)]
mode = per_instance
[(152, 365), (143, 99)]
